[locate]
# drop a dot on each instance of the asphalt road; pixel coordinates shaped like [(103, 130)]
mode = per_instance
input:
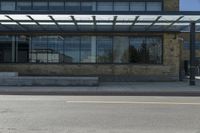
[(98, 114)]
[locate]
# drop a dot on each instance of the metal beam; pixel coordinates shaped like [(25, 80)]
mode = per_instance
[(198, 21), (136, 19), (114, 22), (105, 21), (75, 22), (58, 26), (153, 23), (192, 53), (18, 24), (174, 22), (36, 22), (95, 22)]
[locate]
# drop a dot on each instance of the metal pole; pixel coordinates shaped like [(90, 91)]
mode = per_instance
[(192, 54)]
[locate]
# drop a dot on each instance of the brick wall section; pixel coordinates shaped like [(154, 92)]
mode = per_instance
[(171, 55), (169, 70), (171, 5)]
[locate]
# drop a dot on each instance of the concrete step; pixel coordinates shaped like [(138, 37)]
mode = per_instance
[(8, 74), (49, 81)]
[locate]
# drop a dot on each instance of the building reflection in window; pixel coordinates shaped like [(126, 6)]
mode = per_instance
[(81, 49), (6, 49), (137, 49), (39, 50), (146, 50), (154, 50), (72, 49), (22, 49), (121, 49), (55, 49), (104, 49), (88, 49)]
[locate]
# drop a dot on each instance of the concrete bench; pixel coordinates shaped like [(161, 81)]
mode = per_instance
[(49, 81), (8, 74)]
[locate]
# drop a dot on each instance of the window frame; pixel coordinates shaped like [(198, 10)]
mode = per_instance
[(92, 63), (161, 4), (17, 5), (15, 8), (63, 6), (80, 3)]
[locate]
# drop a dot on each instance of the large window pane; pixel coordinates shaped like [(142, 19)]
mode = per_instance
[(137, 6), (121, 49), (104, 6), (23, 46), (88, 6), (137, 50), (8, 5), (40, 5), (23, 5), (55, 49), (72, 49), (72, 6), (88, 49), (154, 6), (39, 49), (56, 5), (6, 49), (121, 6), (154, 50), (104, 50)]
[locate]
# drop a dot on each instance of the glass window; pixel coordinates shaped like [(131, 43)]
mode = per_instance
[(187, 45), (104, 49), (121, 49), (88, 6), (154, 6), (137, 50), (121, 6), (6, 48), (88, 49), (23, 46), (40, 5), (56, 5), (39, 49), (72, 6), (55, 49), (154, 50), (8, 5), (72, 49), (137, 6), (104, 6), (23, 5)]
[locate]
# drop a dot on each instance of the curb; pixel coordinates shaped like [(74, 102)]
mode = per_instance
[(99, 92)]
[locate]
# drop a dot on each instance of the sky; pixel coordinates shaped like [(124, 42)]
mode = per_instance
[(190, 5)]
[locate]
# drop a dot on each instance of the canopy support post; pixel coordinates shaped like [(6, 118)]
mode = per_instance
[(192, 53)]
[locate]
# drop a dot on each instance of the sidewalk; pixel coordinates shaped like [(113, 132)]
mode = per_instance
[(134, 88)]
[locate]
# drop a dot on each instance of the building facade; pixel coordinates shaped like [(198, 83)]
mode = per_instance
[(49, 41)]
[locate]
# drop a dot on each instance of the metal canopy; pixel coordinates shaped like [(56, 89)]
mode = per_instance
[(107, 22)]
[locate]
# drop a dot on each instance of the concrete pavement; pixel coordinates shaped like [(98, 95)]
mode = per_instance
[(99, 114), (134, 88)]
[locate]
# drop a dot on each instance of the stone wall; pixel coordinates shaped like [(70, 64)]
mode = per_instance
[(171, 5), (169, 70)]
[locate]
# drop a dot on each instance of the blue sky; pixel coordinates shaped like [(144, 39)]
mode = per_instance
[(190, 5)]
